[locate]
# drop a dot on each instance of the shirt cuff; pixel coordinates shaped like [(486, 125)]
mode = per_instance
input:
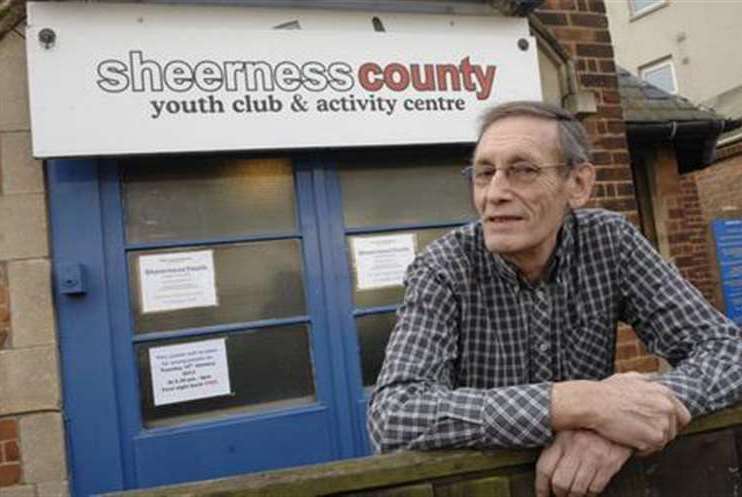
[(518, 416)]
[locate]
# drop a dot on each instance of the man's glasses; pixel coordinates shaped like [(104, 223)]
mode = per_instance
[(518, 174)]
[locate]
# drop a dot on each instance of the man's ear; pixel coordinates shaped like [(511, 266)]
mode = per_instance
[(582, 179)]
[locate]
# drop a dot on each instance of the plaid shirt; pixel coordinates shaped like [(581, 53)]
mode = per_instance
[(476, 349)]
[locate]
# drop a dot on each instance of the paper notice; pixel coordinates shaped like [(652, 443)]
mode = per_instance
[(189, 371), (381, 261), (173, 281)]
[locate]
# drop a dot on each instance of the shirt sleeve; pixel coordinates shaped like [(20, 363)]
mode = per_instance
[(417, 403), (674, 320)]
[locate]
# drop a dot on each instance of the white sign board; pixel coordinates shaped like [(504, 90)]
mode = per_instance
[(127, 79), (189, 371), (173, 281), (381, 261)]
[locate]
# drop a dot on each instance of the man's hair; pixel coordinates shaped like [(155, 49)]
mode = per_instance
[(573, 139)]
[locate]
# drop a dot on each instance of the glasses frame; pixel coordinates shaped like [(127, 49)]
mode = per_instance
[(468, 173)]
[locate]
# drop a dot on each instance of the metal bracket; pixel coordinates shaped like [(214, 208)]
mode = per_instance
[(71, 279)]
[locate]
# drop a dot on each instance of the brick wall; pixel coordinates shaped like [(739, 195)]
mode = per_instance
[(10, 456), (32, 451), (720, 185), (581, 26), (687, 236), (720, 196)]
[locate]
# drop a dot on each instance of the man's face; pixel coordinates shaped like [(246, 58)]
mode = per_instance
[(521, 221)]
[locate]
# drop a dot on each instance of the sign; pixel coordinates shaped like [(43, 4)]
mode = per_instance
[(189, 371), (173, 281), (381, 261), (162, 79), (728, 236)]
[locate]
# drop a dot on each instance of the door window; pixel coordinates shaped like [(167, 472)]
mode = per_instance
[(268, 369), (418, 194), (242, 215), (204, 198)]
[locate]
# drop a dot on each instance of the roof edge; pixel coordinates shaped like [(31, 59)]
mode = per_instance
[(516, 7)]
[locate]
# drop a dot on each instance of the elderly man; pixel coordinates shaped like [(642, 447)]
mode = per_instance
[(506, 335)]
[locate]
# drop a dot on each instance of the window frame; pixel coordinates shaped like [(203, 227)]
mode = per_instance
[(639, 13), (658, 64)]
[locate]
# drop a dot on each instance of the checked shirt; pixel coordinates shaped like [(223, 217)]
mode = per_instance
[(476, 349)]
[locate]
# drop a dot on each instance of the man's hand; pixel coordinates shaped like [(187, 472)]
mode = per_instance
[(628, 409), (641, 414), (578, 463)]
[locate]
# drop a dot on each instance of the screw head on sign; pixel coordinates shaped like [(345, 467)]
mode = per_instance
[(47, 37), (523, 44)]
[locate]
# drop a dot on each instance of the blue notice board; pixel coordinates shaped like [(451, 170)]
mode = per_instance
[(728, 236)]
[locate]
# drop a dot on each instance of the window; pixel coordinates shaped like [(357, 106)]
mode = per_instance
[(641, 7), (660, 74)]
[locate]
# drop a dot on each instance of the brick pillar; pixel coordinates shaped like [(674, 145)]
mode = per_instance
[(581, 27)]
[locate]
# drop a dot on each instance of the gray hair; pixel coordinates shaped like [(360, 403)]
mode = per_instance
[(573, 139)]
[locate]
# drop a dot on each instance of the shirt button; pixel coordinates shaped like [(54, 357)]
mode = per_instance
[(544, 347)]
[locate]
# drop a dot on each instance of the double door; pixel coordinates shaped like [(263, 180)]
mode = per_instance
[(232, 312)]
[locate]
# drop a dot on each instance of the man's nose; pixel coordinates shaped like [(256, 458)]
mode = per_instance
[(499, 188)]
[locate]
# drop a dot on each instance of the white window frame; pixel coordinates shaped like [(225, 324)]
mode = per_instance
[(659, 64), (635, 14)]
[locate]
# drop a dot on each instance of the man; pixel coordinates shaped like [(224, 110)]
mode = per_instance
[(506, 334)]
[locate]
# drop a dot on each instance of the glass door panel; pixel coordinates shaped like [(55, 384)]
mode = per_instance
[(196, 198), (406, 198), (389, 295), (269, 368), (252, 281), (412, 193), (373, 334), (404, 191)]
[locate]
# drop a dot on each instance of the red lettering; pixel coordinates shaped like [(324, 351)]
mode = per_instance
[(364, 77), (401, 82), (452, 72), (417, 82)]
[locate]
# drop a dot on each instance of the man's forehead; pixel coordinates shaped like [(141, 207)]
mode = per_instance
[(534, 134)]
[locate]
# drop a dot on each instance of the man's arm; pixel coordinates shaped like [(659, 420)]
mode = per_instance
[(627, 409), (675, 322), (416, 404)]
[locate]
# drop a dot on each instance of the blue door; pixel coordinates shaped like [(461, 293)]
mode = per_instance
[(216, 315)]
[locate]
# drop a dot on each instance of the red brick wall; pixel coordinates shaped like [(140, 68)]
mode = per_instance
[(687, 236), (581, 27), (720, 195), (720, 185), (10, 457)]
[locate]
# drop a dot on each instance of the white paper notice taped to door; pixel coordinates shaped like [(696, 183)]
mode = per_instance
[(189, 371), (381, 261), (174, 281)]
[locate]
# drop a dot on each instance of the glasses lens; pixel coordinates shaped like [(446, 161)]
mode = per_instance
[(523, 173)]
